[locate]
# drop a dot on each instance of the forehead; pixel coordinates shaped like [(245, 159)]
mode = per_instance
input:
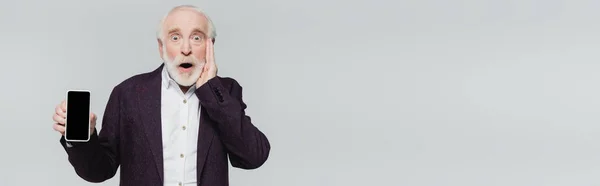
[(186, 20)]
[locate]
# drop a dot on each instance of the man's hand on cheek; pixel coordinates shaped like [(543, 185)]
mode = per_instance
[(210, 68)]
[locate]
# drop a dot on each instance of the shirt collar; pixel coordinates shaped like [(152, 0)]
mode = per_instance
[(167, 81)]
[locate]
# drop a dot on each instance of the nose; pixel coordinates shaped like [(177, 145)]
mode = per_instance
[(186, 48)]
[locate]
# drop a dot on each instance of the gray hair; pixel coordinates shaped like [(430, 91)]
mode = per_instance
[(211, 26)]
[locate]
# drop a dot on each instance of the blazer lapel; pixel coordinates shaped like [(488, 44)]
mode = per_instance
[(149, 112), (205, 136)]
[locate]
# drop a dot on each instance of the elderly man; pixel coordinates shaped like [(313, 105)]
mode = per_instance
[(176, 125)]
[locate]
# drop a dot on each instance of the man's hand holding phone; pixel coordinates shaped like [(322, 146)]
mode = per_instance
[(60, 116)]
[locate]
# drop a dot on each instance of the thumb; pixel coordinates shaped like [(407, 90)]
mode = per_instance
[(93, 117), (204, 70)]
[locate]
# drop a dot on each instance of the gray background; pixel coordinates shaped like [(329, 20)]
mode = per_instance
[(419, 93)]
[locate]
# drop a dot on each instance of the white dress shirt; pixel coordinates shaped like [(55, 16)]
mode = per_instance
[(180, 114)]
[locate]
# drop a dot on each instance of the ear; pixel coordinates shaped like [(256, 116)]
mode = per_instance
[(160, 48)]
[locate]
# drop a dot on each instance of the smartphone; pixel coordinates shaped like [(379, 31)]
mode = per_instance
[(77, 124)]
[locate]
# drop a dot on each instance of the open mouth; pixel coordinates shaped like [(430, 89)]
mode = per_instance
[(186, 65)]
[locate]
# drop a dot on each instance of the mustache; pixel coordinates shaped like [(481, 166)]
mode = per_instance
[(181, 59)]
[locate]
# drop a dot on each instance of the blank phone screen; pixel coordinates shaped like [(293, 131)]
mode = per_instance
[(78, 113)]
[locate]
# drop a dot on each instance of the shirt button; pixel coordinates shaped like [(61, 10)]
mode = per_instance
[(184, 101), (181, 155), (183, 127)]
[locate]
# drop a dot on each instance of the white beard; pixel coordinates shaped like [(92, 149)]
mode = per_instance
[(185, 79)]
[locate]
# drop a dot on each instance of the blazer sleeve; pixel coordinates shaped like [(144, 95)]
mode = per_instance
[(247, 146), (98, 159)]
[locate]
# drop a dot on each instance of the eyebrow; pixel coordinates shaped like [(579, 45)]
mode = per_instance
[(198, 30), (171, 30)]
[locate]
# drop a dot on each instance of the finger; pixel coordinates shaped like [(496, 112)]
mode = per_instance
[(213, 65), (60, 112), (93, 117), (210, 53), (204, 70), (63, 106), (58, 119), (207, 53), (59, 128)]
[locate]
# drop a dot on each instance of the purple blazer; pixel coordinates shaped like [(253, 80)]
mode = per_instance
[(131, 135)]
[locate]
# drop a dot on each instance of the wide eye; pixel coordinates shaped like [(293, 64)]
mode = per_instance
[(197, 38), (175, 38)]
